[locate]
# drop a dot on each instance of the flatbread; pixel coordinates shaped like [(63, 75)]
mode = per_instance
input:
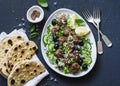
[(5, 45), (25, 71), (3, 69), (8, 42), (21, 51)]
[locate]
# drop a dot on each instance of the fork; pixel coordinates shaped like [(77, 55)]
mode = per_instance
[(90, 19), (96, 19)]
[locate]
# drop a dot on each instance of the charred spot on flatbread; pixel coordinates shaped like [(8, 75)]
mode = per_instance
[(34, 48), (17, 70), (19, 37), (12, 81), (7, 71), (6, 50), (15, 49), (4, 64), (23, 81), (27, 44), (22, 52), (27, 65), (19, 46), (10, 42), (35, 71)]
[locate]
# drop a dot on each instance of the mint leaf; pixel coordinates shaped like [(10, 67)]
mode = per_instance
[(32, 28), (34, 34), (43, 3), (80, 22)]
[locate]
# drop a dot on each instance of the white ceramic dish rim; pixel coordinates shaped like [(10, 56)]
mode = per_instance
[(35, 7), (91, 37)]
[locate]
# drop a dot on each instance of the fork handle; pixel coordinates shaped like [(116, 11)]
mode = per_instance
[(106, 40), (99, 46), (104, 37)]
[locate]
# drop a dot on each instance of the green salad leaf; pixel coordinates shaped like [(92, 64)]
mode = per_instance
[(80, 22), (43, 3)]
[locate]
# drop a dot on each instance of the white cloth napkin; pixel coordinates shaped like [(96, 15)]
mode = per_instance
[(22, 33)]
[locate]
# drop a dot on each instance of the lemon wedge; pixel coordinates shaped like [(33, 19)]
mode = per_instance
[(82, 31)]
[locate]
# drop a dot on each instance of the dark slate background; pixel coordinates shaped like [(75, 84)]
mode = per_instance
[(106, 71)]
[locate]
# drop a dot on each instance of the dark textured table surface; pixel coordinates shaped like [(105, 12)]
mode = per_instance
[(106, 71)]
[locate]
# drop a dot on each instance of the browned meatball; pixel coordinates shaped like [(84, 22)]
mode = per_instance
[(75, 56), (67, 31), (55, 29), (62, 39), (75, 39), (62, 21), (59, 53), (74, 67)]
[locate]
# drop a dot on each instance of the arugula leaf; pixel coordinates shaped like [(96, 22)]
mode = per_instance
[(43, 3), (32, 28), (79, 22), (34, 34)]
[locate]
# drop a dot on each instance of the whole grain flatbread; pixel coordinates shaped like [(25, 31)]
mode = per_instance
[(21, 51), (5, 45), (24, 71)]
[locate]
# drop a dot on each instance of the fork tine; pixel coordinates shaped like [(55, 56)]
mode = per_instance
[(86, 13), (95, 13), (98, 13)]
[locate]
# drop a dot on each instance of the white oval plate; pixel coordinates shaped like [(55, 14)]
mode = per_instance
[(90, 36)]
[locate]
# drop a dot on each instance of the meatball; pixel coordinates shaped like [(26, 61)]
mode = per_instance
[(74, 67), (59, 53), (67, 31), (75, 56), (55, 29), (62, 39), (62, 21), (75, 39)]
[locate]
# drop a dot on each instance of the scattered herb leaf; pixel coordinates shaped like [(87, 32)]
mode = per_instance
[(32, 28), (43, 3), (80, 22), (34, 34)]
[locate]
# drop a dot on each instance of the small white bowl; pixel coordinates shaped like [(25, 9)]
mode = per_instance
[(30, 11)]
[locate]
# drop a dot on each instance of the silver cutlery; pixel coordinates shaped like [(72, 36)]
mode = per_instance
[(90, 19), (96, 18)]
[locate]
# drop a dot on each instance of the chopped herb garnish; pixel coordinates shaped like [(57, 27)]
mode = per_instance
[(33, 31), (43, 3), (34, 34), (32, 28)]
